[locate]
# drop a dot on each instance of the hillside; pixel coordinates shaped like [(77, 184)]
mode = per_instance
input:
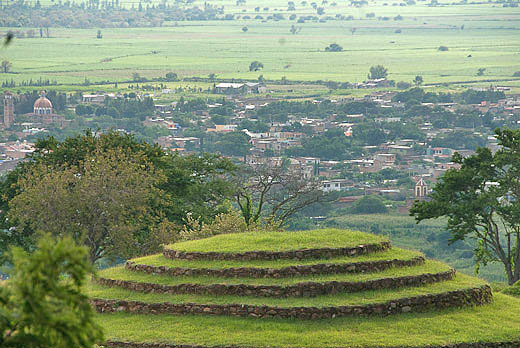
[(321, 288)]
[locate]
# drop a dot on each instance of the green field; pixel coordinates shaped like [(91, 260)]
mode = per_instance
[(489, 40)]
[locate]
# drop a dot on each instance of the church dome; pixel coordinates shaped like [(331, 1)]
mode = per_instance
[(42, 103)]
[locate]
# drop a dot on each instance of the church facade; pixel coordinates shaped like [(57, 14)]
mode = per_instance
[(43, 112)]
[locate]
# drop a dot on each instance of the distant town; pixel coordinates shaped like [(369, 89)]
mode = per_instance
[(391, 143)]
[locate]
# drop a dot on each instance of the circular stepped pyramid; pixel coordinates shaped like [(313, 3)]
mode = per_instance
[(312, 276)]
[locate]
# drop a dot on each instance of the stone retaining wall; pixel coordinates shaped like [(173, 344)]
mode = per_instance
[(291, 271), (473, 296), (277, 255), (306, 289), (119, 344)]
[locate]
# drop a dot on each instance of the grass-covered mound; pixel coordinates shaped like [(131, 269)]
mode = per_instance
[(278, 241), (381, 297)]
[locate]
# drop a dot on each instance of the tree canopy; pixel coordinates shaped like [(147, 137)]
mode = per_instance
[(195, 184), (368, 205), (110, 202), (378, 72)]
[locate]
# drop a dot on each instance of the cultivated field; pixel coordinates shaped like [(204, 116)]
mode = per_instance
[(477, 36)]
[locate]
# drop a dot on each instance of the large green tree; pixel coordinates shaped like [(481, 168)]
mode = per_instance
[(481, 200), (197, 184), (378, 72), (109, 202), (43, 305)]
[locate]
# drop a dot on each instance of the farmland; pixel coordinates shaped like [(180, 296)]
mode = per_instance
[(476, 35)]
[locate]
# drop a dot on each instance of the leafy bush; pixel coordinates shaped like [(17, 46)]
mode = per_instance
[(224, 223), (513, 290), (334, 47), (403, 85), (368, 205), (442, 48)]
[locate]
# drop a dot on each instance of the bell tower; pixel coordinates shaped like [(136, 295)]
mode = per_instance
[(8, 110)]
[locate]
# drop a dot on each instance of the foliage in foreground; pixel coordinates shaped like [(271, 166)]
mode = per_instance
[(42, 305)]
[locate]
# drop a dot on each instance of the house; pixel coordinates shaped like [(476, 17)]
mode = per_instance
[(230, 88), (223, 128), (240, 88), (335, 185)]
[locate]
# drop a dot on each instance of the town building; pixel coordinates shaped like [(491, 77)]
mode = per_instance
[(240, 88), (43, 112)]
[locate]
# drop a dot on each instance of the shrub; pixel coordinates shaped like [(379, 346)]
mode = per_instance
[(334, 47), (442, 48), (368, 205), (513, 290), (231, 222), (403, 85)]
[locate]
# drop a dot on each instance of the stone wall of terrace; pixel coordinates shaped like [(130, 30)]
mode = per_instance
[(465, 297), (283, 272), (305, 289), (320, 253)]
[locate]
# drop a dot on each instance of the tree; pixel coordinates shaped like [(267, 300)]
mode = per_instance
[(377, 72), (294, 29), (234, 144), (418, 80), (255, 66), (99, 35), (320, 11), (369, 205), (274, 192), (244, 29), (43, 304), (481, 200), (6, 66), (403, 85), (106, 202), (171, 76), (480, 71), (196, 184), (334, 47)]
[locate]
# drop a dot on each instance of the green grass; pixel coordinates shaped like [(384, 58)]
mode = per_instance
[(160, 260), (278, 241), (498, 321), (343, 299), (124, 274)]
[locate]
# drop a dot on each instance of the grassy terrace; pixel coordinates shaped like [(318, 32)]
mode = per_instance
[(458, 283), (159, 260), (278, 241), (122, 273), (498, 321)]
